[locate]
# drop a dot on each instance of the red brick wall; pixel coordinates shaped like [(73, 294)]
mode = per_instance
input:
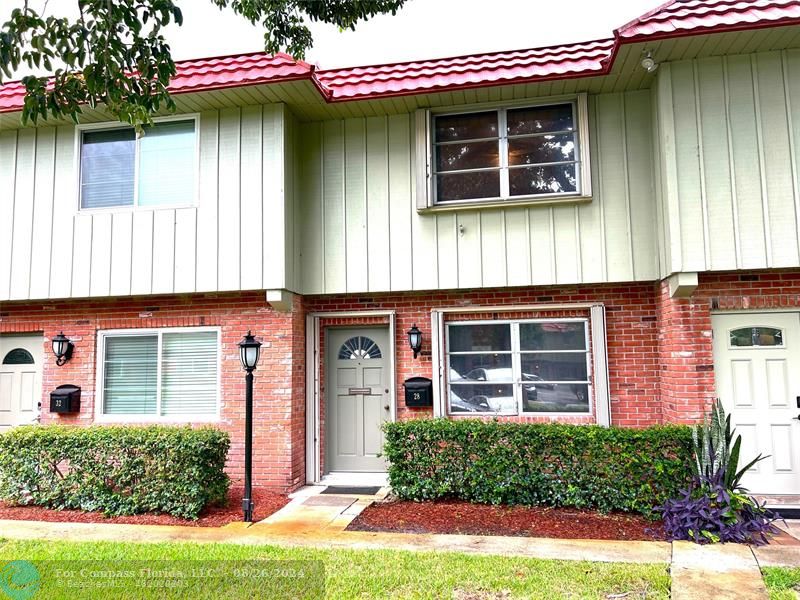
[(685, 356), (279, 392), (631, 326), (660, 354), (685, 342)]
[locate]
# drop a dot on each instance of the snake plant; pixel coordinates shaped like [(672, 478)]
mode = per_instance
[(716, 451)]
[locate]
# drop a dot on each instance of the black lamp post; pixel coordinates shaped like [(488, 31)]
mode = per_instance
[(249, 349), (415, 339), (62, 348)]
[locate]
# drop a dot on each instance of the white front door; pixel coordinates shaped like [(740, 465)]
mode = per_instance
[(757, 370), (20, 379), (357, 398)]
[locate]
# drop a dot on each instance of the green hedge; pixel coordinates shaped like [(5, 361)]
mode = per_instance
[(581, 466), (117, 470)]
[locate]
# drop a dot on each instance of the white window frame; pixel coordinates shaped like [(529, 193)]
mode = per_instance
[(135, 207), (516, 366), (101, 417), (426, 189)]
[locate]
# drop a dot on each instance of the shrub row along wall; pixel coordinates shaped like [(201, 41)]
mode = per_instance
[(116, 470), (608, 469)]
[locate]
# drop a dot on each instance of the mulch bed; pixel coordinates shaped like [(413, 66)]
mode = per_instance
[(266, 503), (456, 516)]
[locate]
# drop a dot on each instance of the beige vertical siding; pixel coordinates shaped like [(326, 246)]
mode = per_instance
[(359, 230), (236, 237), (728, 130)]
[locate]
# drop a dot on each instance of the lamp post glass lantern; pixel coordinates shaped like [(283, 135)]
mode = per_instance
[(62, 348), (249, 350), (415, 339)]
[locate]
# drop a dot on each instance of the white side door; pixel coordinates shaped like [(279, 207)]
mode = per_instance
[(757, 369), (20, 379)]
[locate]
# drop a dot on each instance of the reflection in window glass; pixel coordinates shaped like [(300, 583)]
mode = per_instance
[(567, 398), (474, 126), (553, 335), (540, 119), (474, 155), (541, 149), (517, 367), (555, 366), (535, 153), (480, 338), (467, 186), (482, 367), (544, 179), (756, 336)]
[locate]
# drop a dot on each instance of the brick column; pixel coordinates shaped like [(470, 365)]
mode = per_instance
[(686, 363), (278, 397)]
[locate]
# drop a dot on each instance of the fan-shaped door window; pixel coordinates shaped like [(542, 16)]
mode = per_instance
[(358, 348), (18, 356)]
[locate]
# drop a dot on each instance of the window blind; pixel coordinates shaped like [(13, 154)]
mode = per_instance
[(131, 375), (189, 373), (108, 163), (166, 164)]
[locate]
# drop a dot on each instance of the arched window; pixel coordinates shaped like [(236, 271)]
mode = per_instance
[(359, 347), (18, 356)]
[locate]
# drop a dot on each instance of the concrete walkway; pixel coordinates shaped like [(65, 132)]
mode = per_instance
[(319, 520), (783, 550), (721, 572)]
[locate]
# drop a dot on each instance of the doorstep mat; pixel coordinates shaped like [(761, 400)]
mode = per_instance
[(352, 490)]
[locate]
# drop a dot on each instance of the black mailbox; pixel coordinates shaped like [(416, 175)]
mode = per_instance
[(419, 391), (65, 399)]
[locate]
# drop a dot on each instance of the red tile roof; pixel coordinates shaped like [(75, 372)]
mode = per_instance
[(11, 95), (693, 17), (674, 19), (555, 62), (205, 74), (237, 70)]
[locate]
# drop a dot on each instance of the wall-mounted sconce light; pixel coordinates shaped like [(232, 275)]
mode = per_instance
[(62, 348), (415, 339)]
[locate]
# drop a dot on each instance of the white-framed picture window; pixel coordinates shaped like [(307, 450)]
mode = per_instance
[(119, 169), (516, 153), (159, 374), (517, 367)]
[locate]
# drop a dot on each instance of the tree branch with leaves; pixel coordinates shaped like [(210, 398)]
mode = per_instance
[(114, 52)]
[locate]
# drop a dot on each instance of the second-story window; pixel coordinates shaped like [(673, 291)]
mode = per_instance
[(157, 169), (507, 153)]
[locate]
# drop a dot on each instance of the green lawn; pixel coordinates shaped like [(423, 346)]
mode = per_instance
[(347, 573), (782, 583)]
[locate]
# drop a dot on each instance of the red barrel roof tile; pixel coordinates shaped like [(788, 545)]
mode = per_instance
[(673, 19)]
